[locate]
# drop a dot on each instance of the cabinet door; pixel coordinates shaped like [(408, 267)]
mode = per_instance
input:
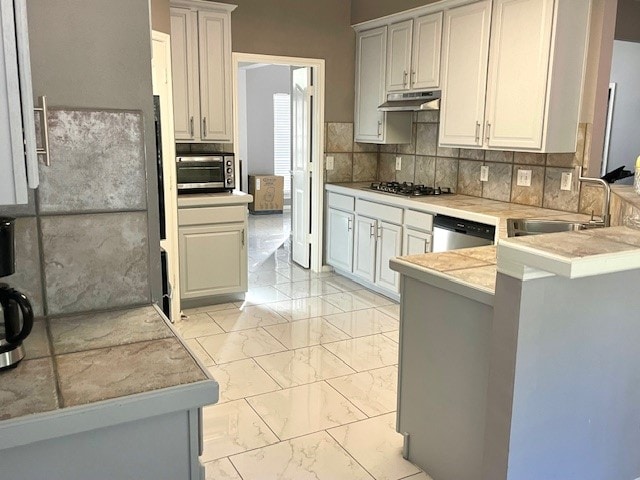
[(340, 239), (399, 56), (415, 242), (371, 47), (427, 42), (518, 68), (465, 47), (214, 30), (364, 254), (213, 260), (184, 73), (389, 246), (16, 107)]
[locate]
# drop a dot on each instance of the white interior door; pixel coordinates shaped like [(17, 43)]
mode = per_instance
[(301, 101)]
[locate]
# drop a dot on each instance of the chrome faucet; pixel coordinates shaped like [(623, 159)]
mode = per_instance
[(606, 216)]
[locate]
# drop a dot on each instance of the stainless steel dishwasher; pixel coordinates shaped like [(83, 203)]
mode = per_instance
[(451, 233)]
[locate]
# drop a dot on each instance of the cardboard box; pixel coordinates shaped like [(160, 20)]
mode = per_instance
[(268, 193)]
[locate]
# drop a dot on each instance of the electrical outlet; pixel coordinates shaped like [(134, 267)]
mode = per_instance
[(524, 178), (398, 162), (484, 173), (329, 163), (565, 182)]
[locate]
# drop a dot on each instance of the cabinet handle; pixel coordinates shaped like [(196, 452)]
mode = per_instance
[(243, 237), (191, 126), (204, 126), (45, 130), (349, 227), (379, 232), (477, 132), (372, 230), (379, 128), (488, 131), (404, 78), (413, 77)]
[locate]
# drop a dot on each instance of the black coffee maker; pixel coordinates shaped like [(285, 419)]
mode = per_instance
[(16, 314)]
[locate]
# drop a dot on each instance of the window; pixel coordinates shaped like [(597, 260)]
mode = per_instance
[(282, 139)]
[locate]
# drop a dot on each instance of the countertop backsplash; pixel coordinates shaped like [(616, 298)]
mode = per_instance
[(82, 241), (424, 162)]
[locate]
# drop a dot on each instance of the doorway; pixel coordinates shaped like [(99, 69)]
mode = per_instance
[(278, 107)]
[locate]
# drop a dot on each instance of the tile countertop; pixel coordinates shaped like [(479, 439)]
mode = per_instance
[(79, 360), (491, 212), (188, 200), (570, 254)]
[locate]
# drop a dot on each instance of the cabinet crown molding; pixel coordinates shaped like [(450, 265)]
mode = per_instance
[(439, 6), (204, 5)]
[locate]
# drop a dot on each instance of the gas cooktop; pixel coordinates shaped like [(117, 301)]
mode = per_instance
[(408, 189)]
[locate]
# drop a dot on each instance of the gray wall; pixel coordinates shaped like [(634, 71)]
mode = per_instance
[(627, 21), (363, 10), (575, 380), (625, 72), (96, 54), (303, 28), (160, 18), (262, 83)]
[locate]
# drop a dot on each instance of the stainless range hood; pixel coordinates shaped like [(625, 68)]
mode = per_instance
[(411, 102)]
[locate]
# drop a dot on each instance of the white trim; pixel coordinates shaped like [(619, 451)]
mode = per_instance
[(317, 167), (165, 90)]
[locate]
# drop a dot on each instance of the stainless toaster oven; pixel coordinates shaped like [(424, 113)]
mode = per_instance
[(206, 173)]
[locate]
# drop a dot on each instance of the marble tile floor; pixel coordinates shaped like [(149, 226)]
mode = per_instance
[(307, 368)]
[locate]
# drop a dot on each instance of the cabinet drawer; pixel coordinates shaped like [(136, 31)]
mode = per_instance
[(211, 215), (376, 210), (341, 202), (418, 220)]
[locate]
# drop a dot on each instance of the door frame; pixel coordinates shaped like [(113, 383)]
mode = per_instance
[(317, 151), (165, 90)]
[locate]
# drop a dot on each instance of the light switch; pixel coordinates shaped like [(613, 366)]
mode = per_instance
[(329, 162), (484, 173), (524, 178), (565, 181), (398, 162)]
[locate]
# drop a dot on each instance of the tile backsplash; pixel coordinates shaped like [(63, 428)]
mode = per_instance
[(82, 241), (424, 162)]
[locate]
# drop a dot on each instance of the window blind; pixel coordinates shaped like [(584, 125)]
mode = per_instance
[(282, 139)]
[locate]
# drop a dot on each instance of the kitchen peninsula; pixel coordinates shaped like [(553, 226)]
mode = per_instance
[(110, 394), (524, 367)]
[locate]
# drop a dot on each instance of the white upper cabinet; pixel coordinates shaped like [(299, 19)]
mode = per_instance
[(399, 56), (517, 79), (425, 59), (201, 68), (527, 95), (184, 71), (465, 48), (370, 124), (18, 149), (413, 59)]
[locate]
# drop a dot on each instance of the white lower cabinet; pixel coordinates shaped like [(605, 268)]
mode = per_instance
[(364, 255), (340, 239), (213, 252), (415, 242), (364, 235), (389, 245)]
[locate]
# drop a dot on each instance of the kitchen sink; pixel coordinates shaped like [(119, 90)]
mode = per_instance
[(518, 227)]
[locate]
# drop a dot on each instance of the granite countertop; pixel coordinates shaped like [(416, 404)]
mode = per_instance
[(79, 360), (213, 199)]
